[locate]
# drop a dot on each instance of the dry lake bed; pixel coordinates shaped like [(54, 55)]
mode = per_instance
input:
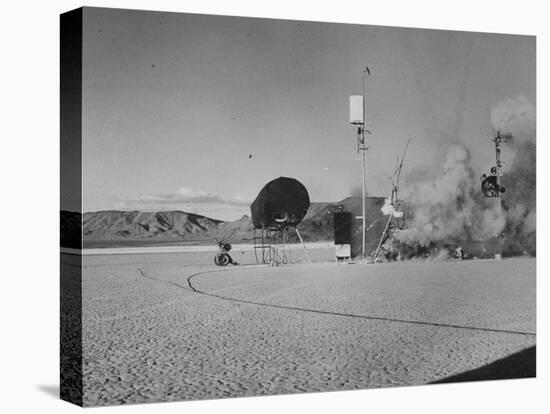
[(172, 326)]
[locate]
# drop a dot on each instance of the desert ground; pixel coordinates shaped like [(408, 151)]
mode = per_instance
[(172, 326)]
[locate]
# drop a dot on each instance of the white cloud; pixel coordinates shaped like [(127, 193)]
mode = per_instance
[(190, 193), (191, 201)]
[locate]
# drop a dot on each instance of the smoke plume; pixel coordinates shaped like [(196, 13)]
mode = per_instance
[(389, 209), (514, 117), (450, 208)]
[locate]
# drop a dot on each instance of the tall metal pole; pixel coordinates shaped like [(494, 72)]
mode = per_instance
[(364, 149), (498, 141), (364, 212)]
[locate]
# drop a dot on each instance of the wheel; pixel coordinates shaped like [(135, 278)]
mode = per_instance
[(224, 259), (216, 260)]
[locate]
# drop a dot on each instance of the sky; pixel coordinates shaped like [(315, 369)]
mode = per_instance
[(198, 112)]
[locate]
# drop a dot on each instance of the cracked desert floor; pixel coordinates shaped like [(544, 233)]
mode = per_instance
[(172, 326)]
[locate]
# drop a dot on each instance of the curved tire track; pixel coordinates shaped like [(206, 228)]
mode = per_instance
[(193, 289)]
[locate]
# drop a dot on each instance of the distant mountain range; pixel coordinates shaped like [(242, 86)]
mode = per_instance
[(162, 225), (113, 228)]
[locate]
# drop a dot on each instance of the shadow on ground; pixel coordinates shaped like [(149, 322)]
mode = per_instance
[(51, 390), (522, 364)]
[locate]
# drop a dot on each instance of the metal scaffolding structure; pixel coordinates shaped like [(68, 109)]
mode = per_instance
[(270, 246)]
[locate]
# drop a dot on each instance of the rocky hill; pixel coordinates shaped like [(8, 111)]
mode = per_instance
[(112, 228), (112, 224)]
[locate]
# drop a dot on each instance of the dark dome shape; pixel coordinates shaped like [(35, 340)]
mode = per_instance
[(282, 202)]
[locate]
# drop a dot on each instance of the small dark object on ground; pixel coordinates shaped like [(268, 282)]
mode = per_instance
[(222, 257)]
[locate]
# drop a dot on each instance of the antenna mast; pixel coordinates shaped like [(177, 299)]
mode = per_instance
[(358, 116), (363, 147)]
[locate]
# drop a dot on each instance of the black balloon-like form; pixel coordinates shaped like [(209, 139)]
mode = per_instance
[(282, 202)]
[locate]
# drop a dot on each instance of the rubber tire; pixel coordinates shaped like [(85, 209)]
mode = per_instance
[(224, 259)]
